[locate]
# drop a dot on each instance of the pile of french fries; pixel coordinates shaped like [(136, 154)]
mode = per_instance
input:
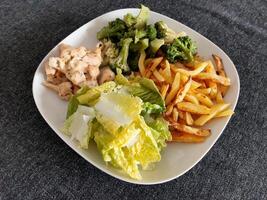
[(193, 94)]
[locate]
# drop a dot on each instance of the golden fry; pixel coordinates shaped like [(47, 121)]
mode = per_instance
[(214, 77), (169, 109), (205, 91), (193, 108), (199, 68), (191, 98), (219, 98), (174, 89), (186, 137), (188, 118), (155, 63), (205, 100), (181, 114), (183, 91), (141, 63), (225, 113), (158, 76), (213, 112), (164, 90), (175, 114), (195, 85)]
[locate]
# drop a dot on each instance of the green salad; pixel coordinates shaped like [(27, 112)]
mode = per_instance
[(124, 118)]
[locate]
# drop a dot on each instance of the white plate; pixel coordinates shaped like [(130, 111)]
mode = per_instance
[(176, 158)]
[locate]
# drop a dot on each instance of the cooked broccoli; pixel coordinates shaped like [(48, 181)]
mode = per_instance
[(163, 31), (121, 60), (182, 49), (136, 50), (139, 21), (109, 51), (151, 32), (156, 44), (129, 20), (114, 30)]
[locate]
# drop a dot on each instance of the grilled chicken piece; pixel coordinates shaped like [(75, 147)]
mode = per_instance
[(64, 89), (106, 74)]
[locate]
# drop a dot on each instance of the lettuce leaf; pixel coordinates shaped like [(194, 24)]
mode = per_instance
[(78, 125), (160, 130), (116, 109), (149, 108), (146, 90), (132, 145)]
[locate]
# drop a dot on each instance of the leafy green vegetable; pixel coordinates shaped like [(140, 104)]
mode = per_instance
[(149, 108), (115, 30), (129, 20), (91, 96), (160, 130), (146, 90), (163, 31), (139, 34), (73, 102), (182, 49), (121, 60), (78, 125), (130, 146)]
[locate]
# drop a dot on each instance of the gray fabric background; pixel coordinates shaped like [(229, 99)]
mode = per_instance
[(36, 164)]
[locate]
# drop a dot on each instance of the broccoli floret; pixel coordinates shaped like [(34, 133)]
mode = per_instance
[(182, 49), (121, 60), (139, 21), (139, 34), (115, 30), (129, 20), (109, 51), (163, 31), (136, 50), (151, 32)]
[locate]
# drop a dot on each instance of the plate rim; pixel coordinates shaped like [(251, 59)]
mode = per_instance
[(107, 171)]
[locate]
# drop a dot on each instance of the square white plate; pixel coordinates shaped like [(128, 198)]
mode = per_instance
[(177, 158)]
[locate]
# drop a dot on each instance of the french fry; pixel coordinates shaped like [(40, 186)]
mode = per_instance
[(195, 85), (205, 91), (193, 108), (174, 89), (141, 63), (191, 130), (213, 112), (184, 78), (148, 73), (219, 98), (175, 114), (158, 76), (223, 89), (155, 63), (225, 113), (199, 68), (181, 114), (183, 91), (205, 100), (186, 137), (166, 72), (148, 61), (164, 90), (219, 65), (169, 110), (214, 77), (191, 98), (188, 118)]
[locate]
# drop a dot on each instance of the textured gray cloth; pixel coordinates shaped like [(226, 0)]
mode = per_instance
[(36, 164)]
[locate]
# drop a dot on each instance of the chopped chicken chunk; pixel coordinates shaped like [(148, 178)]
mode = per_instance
[(64, 89), (106, 74)]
